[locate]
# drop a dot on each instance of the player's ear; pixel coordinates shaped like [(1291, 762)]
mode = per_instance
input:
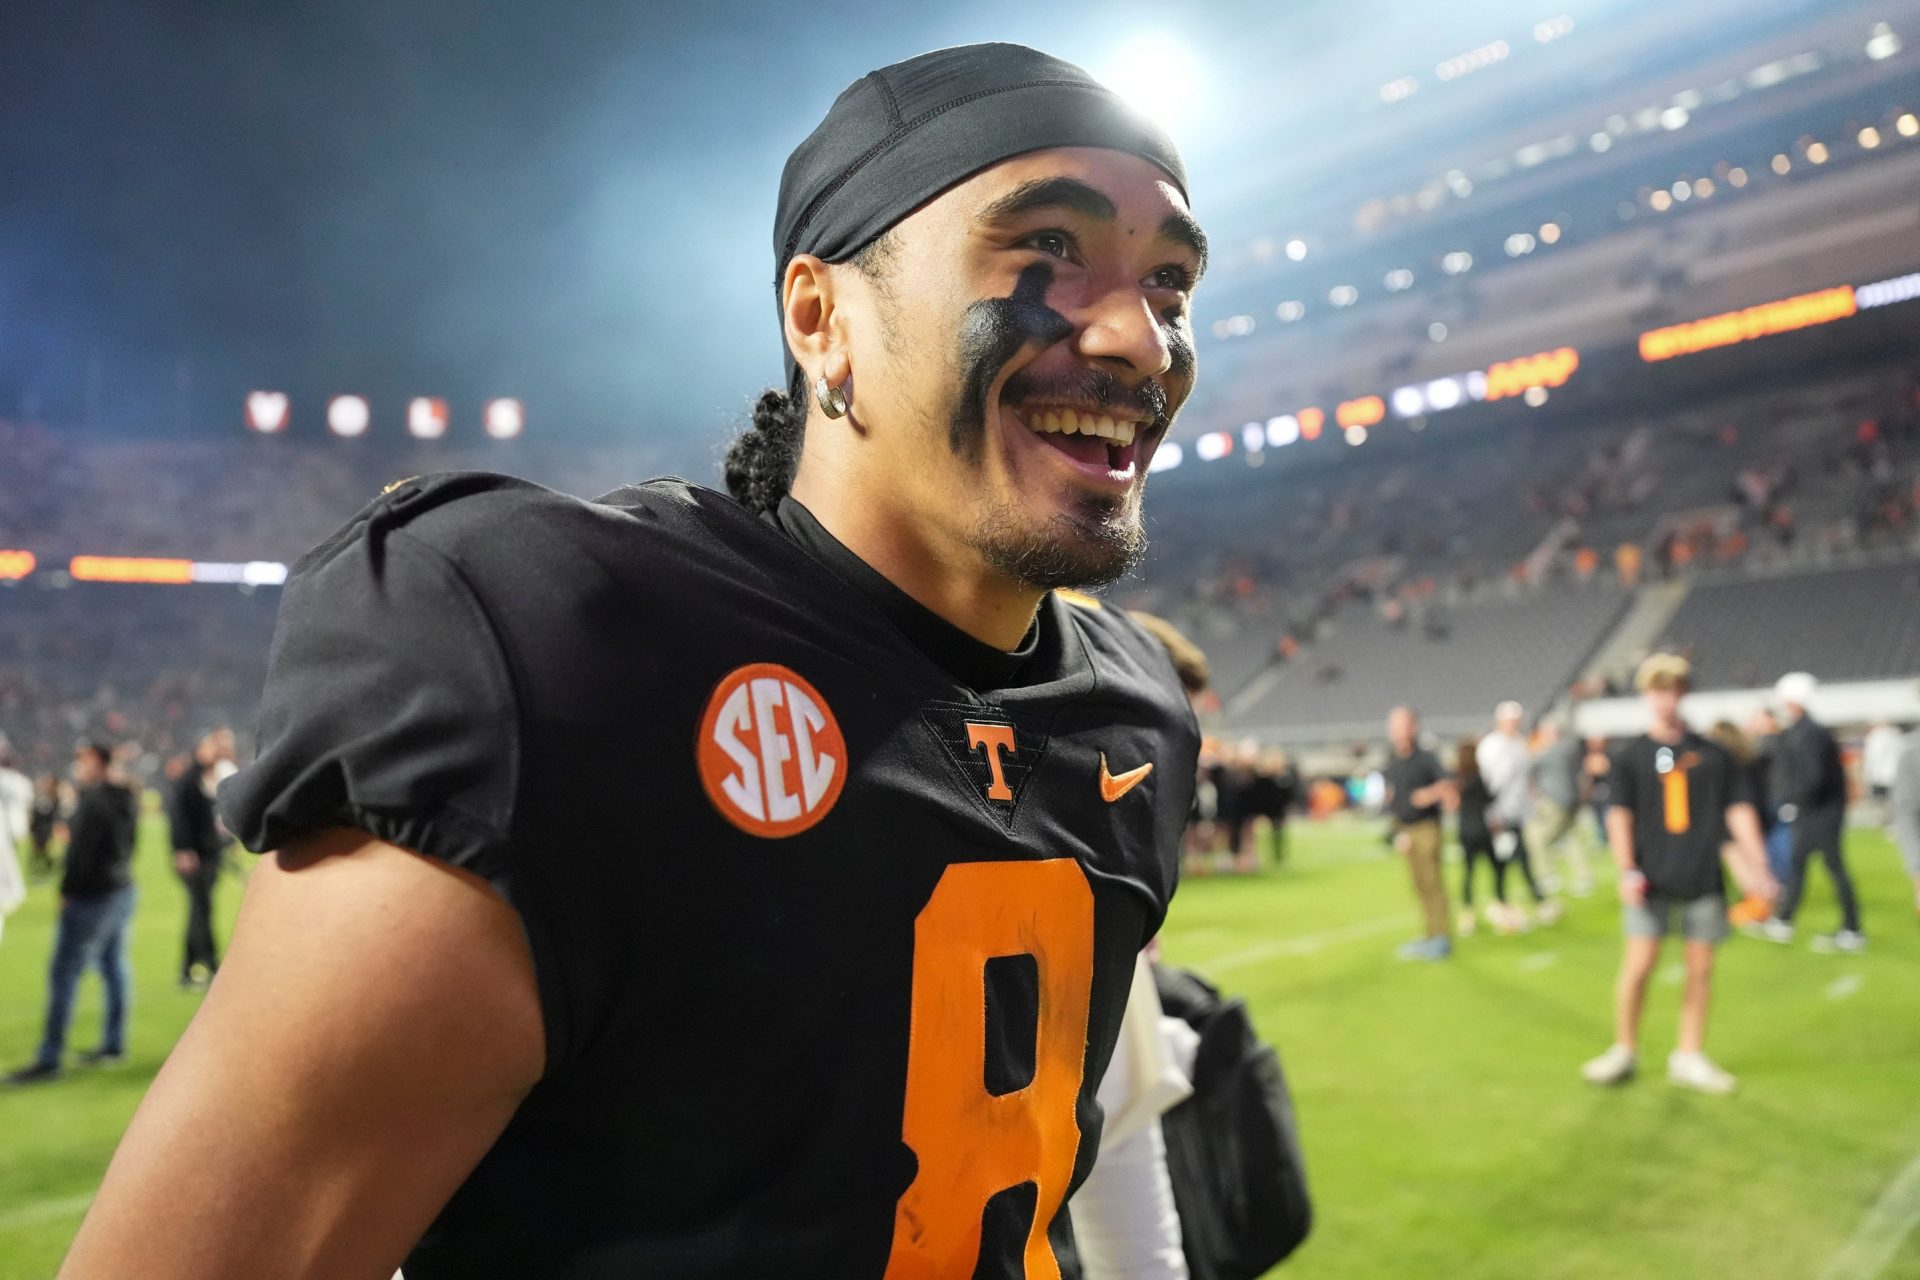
[(808, 304)]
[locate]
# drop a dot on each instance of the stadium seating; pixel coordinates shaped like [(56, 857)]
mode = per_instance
[(1841, 624), (1453, 665)]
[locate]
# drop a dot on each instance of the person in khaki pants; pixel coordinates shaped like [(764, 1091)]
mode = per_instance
[(1416, 788)]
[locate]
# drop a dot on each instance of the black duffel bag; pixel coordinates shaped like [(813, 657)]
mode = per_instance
[(1233, 1149)]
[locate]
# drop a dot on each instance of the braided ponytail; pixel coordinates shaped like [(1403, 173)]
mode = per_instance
[(761, 462)]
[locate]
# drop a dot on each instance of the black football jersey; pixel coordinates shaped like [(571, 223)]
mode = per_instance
[(1678, 795), (833, 908)]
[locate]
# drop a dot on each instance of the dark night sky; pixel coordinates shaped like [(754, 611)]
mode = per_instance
[(569, 202)]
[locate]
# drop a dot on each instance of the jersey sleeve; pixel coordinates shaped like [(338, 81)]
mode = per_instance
[(388, 707), (1621, 776)]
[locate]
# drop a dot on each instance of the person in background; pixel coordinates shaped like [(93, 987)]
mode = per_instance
[(1471, 799), (1233, 782), (1879, 760), (1677, 797), (1752, 908), (16, 798), (1596, 769), (96, 904), (1505, 764), (198, 845), (1556, 808), (1813, 797), (1903, 802), (1416, 789), (1276, 790), (1763, 731), (40, 826)]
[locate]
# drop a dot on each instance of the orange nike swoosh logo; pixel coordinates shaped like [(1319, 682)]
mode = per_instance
[(1113, 786)]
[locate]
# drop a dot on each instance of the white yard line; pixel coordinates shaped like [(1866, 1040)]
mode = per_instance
[(1845, 985), (1305, 944), (39, 1211), (1882, 1232)]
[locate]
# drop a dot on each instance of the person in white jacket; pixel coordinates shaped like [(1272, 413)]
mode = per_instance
[(1506, 766)]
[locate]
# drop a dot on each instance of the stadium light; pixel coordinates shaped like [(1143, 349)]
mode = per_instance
[(1444, 393), (1297, 249), (15, 565), (1817, 152), (505, 419), (1782, 164), (1213, 446), (1168, 456), (1908, 124), (1311, 421), (1157, 75), (1343, 295), (348, 416), (1437, 332), (1254, 437), (1356, 436), (1880, 293), (426, 417), (1283, 430), (1737, 176), (1290, 311), (267, 411), (1549, 233), (1535, 397), (1869, 138), (1408, 402), (1882, 43)]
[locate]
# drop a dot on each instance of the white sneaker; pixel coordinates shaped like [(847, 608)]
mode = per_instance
[(1615, 1066), (1851, 941), (1774, 930), (1466, 923), (1550, 912), (1696, 1071)]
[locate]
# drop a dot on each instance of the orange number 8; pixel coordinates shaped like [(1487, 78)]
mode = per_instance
[(972, 1144)]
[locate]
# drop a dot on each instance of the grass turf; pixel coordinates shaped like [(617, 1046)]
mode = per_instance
[(1447, 1132)]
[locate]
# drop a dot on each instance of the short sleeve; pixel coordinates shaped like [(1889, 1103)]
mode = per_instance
[(388, 707), (1621, 776), (1738, 785)]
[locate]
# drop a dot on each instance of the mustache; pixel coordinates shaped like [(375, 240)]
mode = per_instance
[(1089, 386)]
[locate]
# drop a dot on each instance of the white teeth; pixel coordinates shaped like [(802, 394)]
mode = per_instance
[(1069, 422)]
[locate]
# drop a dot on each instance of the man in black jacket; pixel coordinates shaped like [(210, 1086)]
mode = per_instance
[(197, 846), (1812, 796), (96, 903)]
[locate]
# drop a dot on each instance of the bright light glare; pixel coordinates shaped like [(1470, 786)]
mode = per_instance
[(348, 416), (1158, 76), (505, 418)]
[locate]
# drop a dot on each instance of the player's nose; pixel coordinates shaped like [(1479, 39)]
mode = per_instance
[(1122, 330)]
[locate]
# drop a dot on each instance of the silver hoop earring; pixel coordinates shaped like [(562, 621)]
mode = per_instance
[(833, 401)]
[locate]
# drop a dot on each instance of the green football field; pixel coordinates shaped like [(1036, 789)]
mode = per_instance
[(1446, 1130)]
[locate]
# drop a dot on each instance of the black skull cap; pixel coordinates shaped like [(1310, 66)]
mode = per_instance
[(897, 137)]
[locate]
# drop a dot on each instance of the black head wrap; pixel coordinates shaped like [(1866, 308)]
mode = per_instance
[(899, 136)]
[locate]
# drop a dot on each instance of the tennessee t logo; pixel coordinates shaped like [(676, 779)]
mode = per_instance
[(996, 738), (1113, 786)]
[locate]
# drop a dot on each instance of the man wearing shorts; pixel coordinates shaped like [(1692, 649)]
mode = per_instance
[(1677, 798)]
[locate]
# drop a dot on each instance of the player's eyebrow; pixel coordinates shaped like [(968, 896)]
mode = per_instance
[(1049, 193)]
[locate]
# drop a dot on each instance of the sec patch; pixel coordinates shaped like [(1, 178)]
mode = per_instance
[(771, 755)]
